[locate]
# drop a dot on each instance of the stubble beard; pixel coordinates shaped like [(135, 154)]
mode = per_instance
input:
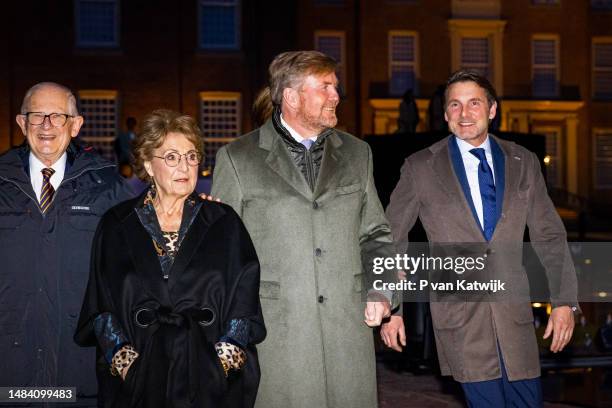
[(319, 122)]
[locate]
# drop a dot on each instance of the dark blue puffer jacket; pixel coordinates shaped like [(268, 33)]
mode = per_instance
[(44, 265)]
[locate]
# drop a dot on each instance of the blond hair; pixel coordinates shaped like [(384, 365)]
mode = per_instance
[(289, 69)]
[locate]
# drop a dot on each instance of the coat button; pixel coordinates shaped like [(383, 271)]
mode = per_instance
[(321, 299), (318, 252), (315, 205)]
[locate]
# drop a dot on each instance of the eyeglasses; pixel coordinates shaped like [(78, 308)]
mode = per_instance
[(173, 159), (56, 119)]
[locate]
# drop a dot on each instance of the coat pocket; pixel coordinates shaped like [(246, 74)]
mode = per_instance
[(349, 189), (84, 220), (11, 220)]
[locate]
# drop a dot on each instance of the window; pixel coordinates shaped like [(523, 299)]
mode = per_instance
[(403, 62), (219, 24), (545, 65), (475, 55), (220, 120), (332, 43), (478, 44), (601, 4), (99, 110), (97, 23), (603, 158), (602, 68)]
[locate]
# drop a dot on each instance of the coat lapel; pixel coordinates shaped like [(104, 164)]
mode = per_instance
[(499, 166), (330, 165), (461, 177), (142, 252), (193, 237), (280, 162)]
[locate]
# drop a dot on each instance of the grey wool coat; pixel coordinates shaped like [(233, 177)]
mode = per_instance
[(319, 352), (470, 335)]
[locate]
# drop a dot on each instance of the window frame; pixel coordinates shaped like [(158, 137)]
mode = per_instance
[(99, 94), (557, 66), (415, 63), (599, 131), (237, 46), (594, 69), (116, 43), (341, 64), (218, 96)]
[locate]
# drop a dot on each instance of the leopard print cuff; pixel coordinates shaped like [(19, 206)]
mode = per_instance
[(232, 357), (122, 359)]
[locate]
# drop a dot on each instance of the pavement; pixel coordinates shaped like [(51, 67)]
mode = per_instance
[(397, 389)]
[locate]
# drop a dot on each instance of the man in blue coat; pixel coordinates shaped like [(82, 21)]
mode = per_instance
[(52, 194)]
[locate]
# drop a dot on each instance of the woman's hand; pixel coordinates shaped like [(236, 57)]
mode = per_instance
[(126, 369)]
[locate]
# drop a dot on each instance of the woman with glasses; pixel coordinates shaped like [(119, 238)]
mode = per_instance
[(172, 302)]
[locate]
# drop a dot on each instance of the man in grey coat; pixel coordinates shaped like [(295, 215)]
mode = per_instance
[(472, 187), (306, 194)]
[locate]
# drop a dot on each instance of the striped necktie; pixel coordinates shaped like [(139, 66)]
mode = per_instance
[(47, 191)]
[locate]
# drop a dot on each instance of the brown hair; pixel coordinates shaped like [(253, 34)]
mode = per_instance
[(262, 107), (288, 70), (466, 75), (155, 128)]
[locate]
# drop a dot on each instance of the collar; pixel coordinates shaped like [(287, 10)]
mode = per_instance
[(465, 147), (59, 166), (294, 134)]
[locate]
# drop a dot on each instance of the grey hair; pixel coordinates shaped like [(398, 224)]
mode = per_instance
[(72, 101)]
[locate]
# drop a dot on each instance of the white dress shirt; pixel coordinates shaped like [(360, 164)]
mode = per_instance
[(471, 163), (36, 177), (294, 134)]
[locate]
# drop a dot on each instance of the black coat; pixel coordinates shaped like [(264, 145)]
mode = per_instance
[(44, 267), (216, 268)]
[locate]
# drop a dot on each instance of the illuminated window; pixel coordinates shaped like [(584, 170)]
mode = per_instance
[(602, 68), (545, 66), (603, 158), (219, 24), (220, 120), (99, 111), (97, 23), (403, 62), (332, 43)]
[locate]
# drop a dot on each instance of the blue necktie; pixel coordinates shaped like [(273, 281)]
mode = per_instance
[(307, 143), (487, 193)]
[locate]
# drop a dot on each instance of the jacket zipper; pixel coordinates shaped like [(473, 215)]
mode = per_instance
[(58, 187)]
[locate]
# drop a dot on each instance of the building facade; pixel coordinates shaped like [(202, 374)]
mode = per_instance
[(550, 61)]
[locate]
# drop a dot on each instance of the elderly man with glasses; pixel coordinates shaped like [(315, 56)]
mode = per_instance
[(52, 195)]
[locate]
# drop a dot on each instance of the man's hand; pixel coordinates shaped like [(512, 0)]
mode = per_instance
[(376, 311), (391, 331), (203, 196), (561, 326)]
